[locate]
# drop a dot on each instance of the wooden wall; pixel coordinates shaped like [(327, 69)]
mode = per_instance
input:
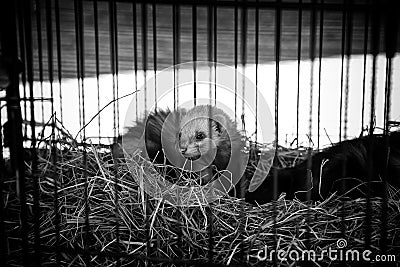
[(332, 36)]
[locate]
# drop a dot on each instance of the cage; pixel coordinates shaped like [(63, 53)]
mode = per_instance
[(298, 76)]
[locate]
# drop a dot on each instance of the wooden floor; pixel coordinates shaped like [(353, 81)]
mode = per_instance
[(332, 45)]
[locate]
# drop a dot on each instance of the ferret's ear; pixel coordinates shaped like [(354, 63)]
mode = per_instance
[(218, 121)]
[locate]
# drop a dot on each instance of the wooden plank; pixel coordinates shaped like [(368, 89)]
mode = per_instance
[(225, 36)]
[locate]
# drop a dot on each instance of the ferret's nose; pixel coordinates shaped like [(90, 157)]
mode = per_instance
[(183, 150)]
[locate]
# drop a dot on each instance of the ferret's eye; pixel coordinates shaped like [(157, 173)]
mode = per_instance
[(200, 136), (180, 135)]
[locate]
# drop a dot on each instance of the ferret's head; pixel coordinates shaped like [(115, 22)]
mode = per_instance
[(200, 133)]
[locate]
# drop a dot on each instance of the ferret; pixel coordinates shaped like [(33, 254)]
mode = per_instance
[(344, 168), (204, 128), (194, 135)]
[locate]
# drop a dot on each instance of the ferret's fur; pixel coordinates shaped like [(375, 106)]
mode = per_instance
[(181, 127), (345, 168)]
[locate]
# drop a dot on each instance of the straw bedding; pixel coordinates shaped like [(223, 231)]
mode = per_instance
[(126, 221)]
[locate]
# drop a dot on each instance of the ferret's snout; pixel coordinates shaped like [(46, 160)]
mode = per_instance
[(190, 152)]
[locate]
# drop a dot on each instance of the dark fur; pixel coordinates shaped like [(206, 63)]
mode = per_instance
[(351, 164), (346, 172), (152, 128)]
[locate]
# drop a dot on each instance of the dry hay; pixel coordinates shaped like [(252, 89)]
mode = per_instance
[(125, 221)]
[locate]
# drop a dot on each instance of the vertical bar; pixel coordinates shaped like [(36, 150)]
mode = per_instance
[(243, 39), (144, 51), (81, 76), (312, 59), (21, 37), (49, 28), (210, 54), (366, 29), (114, 71), (59, 62), (8, 35), (176, 60), (278, 21), (375, 39), (113, 61), (154, 17), (97, 60), (176, 50), (144, 67), (215, 51), (49, 32), (391, 42), (115, 77), (40, 51), (81, 61), (344, 16), (321, 36), (3, 238), (210, 33), (29, 70), (299, 29), (78, 52), (257, 29), (383, 240), (244, 56), (30, 77), (194, 50), (236, 29), (210, 37), (348, 40), (349, 34), (310, 119), (26, 55), (135, 64), (212, 50)]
